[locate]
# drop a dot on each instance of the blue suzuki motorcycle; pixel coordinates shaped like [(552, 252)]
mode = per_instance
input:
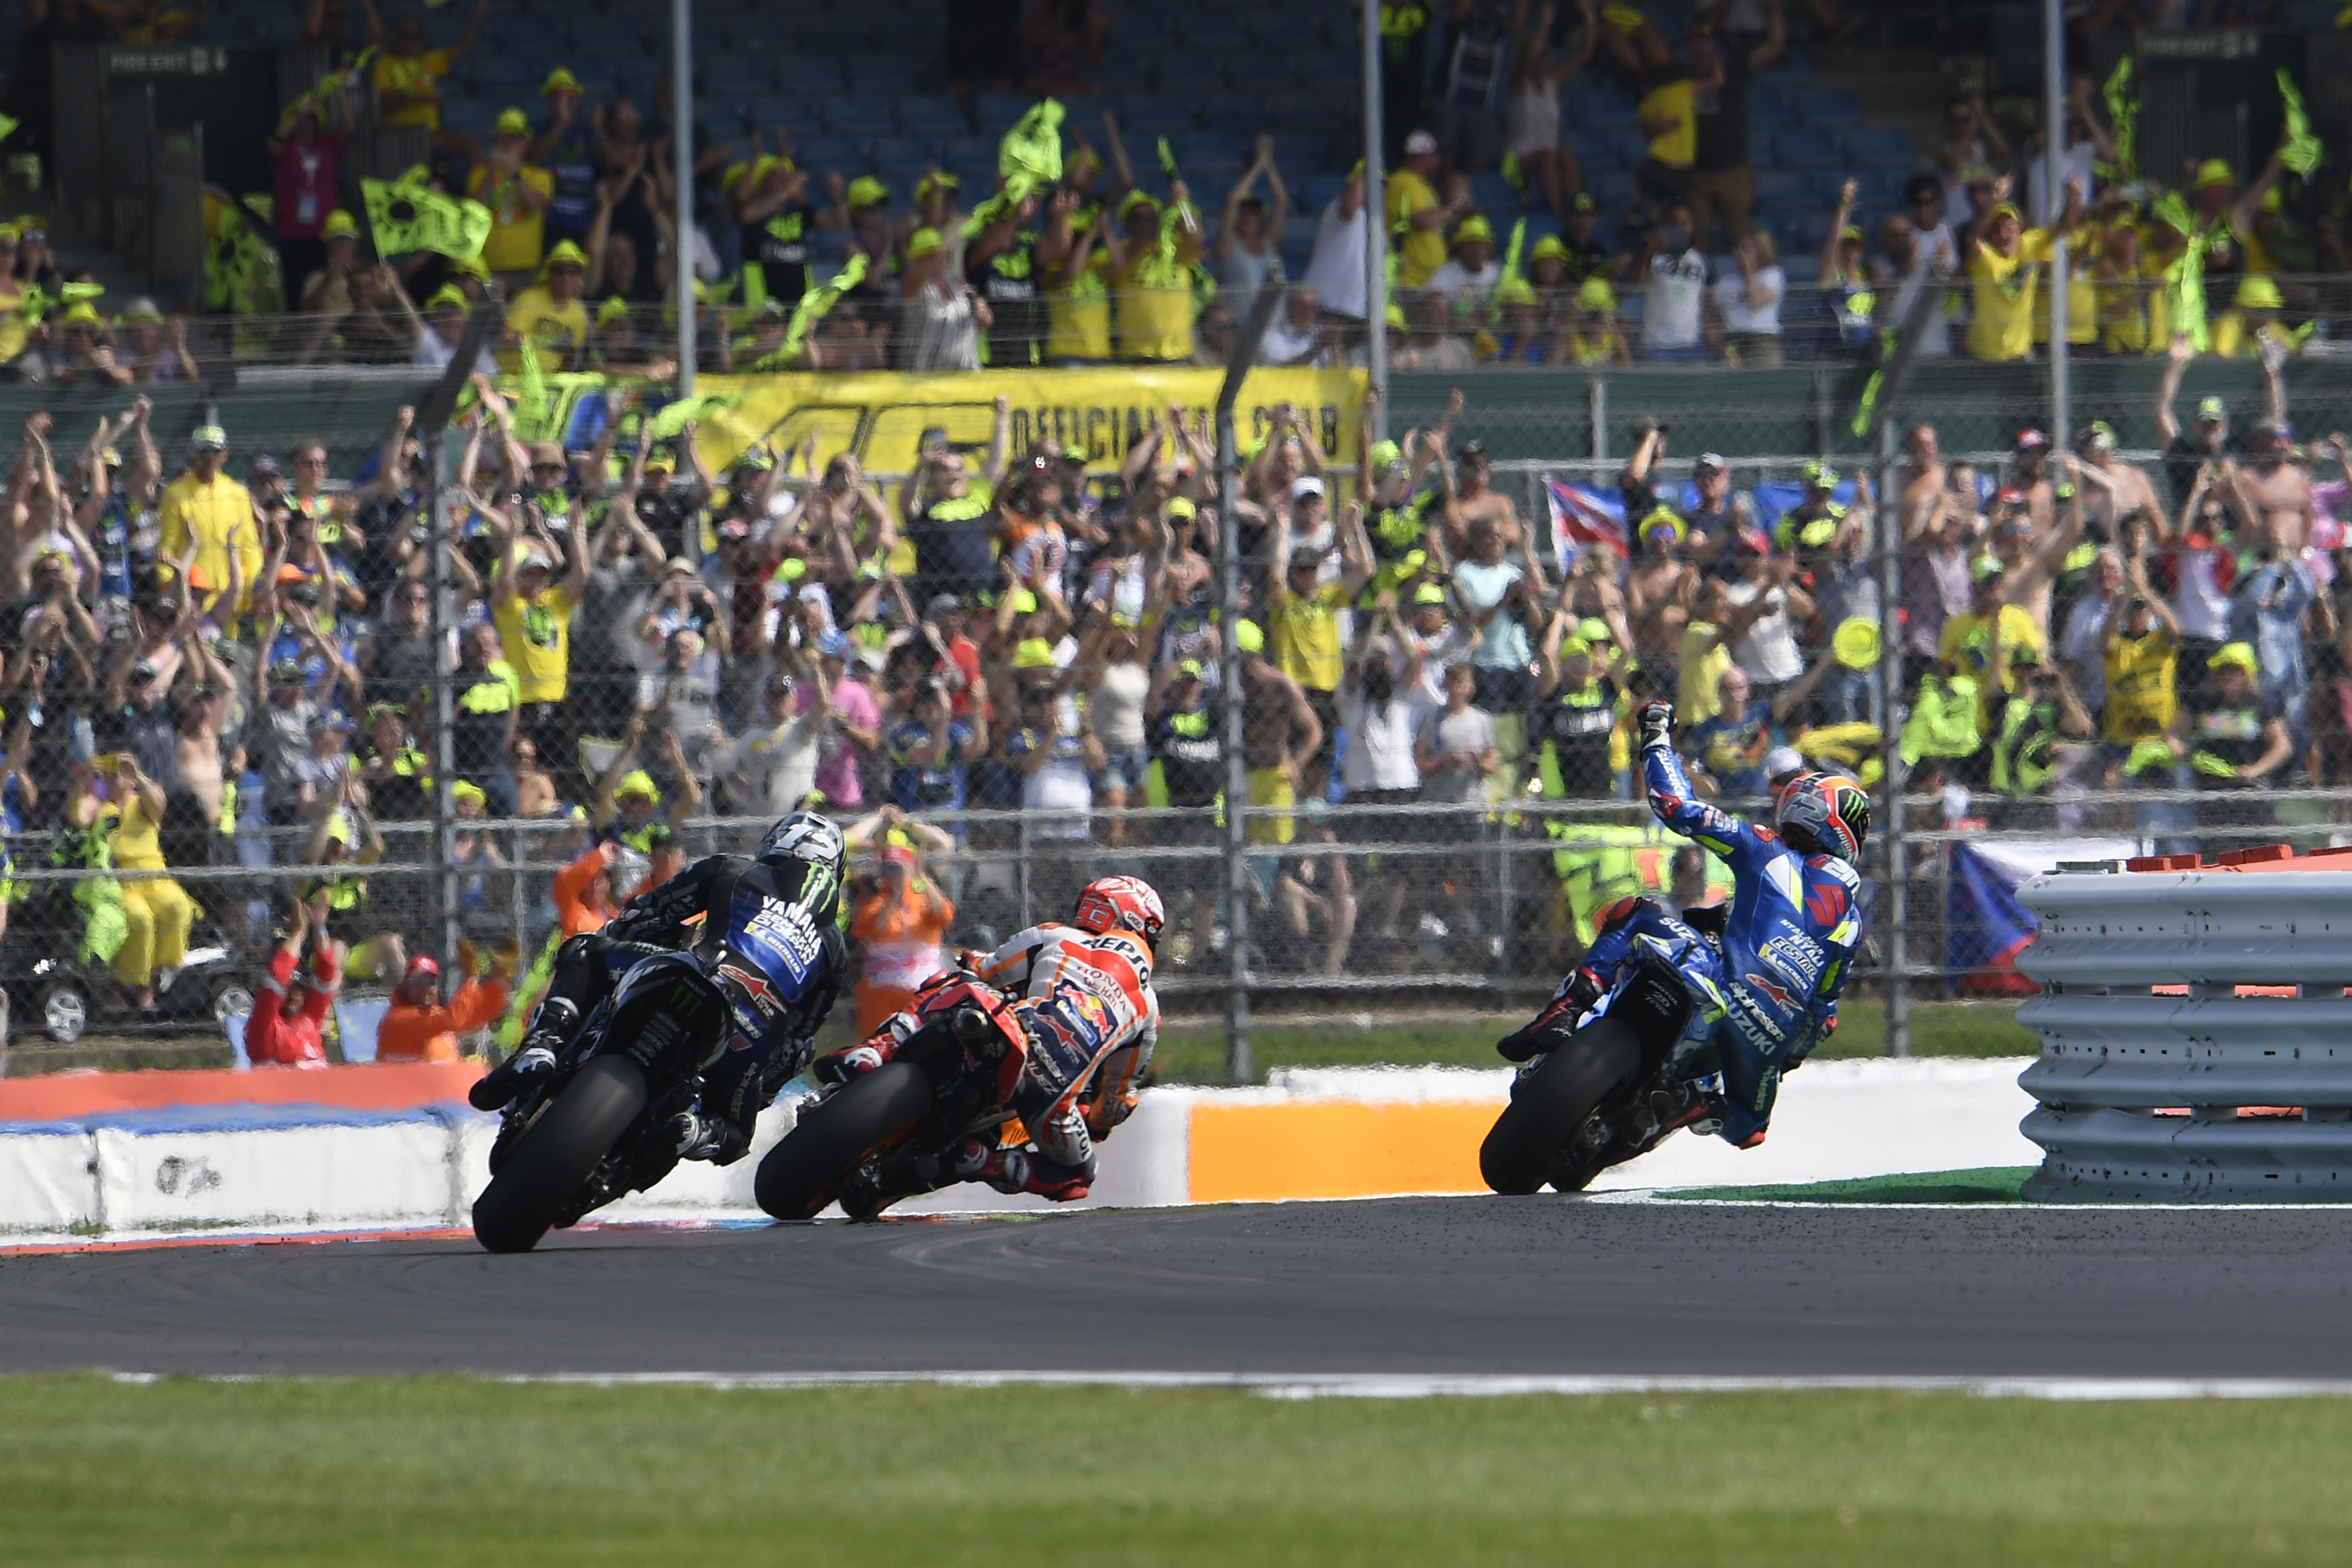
[(1616, 1080)]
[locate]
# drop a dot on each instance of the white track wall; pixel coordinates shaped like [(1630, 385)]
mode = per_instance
[(296, 1167)]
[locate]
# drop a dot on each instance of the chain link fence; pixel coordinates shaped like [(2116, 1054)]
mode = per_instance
[(1466, 900)]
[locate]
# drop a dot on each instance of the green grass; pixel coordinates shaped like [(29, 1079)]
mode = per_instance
[(1984, 1185), (1198, 1055), (448, 1471)]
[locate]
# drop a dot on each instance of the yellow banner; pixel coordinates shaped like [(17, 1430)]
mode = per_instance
[(881, 417)]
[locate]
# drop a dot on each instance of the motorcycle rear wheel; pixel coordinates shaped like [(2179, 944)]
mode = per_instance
[(546, 1168), (803, 1173), (1531, 1139)]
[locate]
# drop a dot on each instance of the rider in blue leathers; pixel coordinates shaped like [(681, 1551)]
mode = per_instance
[(1788, 936), (767, 922)]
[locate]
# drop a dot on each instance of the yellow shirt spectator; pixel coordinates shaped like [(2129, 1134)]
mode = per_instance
[(1677, 146), (134, 841), (2002, 293), (535, 629), (213, 516), (2133, 319), (1307, 637), (2082, 292), (558, 329), (518, 227), (1969, 646), (2140, 697), (1155, 312), (1419, 251), (1152, 298), (1077, 312), (1703, 660), (418, 73)]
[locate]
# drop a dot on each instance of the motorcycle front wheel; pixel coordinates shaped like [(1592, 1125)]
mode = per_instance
[(804, 1171), (1549, 1105), (546, 1168)]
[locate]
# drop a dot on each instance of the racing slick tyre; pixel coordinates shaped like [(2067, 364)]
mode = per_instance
[(547, 1166), (1550, 1105), (801, 1173)]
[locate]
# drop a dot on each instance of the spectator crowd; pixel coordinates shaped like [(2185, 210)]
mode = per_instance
[(219, 653), (1507, 247), (1013, 657)]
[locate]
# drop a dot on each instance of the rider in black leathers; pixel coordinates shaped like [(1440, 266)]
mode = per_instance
[(762, 918)]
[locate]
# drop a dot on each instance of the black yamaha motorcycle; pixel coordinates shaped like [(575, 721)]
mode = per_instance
[(598, 1127)]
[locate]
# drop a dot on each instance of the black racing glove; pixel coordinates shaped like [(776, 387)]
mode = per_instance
[(1657, 723)]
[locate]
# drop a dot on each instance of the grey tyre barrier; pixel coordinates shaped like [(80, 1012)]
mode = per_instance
[(2200, 1095)]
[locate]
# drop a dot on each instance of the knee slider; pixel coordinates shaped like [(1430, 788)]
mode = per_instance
[(1066, 1141)]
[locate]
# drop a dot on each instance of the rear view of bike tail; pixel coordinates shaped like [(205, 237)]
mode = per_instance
[(1582, 1106), (866, 1144), (565, 1150)]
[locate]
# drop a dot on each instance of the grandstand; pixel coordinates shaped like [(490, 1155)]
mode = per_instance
[(861, 88)]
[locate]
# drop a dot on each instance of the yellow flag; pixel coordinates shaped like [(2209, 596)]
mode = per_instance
[(408, 217)]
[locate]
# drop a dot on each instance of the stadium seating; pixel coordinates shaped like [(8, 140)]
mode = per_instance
[(857, 84)]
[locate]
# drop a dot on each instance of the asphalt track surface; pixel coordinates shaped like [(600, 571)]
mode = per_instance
[(1482, 1286)]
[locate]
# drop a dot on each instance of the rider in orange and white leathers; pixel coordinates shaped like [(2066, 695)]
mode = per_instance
[(1083, 991)]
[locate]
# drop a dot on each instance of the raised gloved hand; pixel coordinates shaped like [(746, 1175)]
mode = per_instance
[(1657, 723), (505, 959)]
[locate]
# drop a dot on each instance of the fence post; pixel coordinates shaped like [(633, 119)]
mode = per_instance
[(2053, 109), (1022, 871), (434, 419), (1596, 409), (1229, 678), (1894, 952), (1376, 268), (518, 895), (682, 107), (1505, 841)]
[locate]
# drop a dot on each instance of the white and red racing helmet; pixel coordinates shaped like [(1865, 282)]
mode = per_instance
[(1120, 903)]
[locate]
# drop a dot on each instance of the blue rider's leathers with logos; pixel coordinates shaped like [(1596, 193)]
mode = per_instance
[(1788, 940)]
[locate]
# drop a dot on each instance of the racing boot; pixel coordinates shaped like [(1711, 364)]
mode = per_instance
[(497, 1088), (1006, 1170), (1702, 1109), (1552, 1025), (856, 1061), (1013, 1171), (711, 1138), (550, 1029)]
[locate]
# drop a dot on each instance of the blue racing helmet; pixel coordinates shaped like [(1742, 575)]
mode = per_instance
[(805, 836)]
